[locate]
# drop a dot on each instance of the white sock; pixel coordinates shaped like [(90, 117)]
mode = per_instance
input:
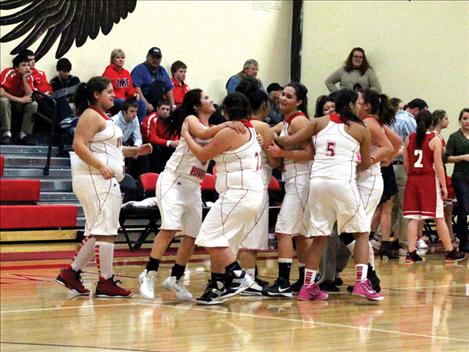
[(7, 133), (362, 272), (351, 247), (371, 255), (285, 260), (251, 272), (104, 257), (84, 253), (310, 275)]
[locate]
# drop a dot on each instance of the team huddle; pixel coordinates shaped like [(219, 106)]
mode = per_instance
[(330, 166)]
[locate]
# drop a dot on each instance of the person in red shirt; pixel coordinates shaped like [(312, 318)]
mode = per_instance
[(40, 80), (180, 88), (122, 84), (154, 131), (16, 88)]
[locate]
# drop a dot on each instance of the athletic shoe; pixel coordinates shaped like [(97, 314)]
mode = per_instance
[(147, 280), (107, 288), (254, 290), (421, 244), (374, 279), (454, 256), (212, 294), (312, 292), (375, 243), (176, 286), (236, 282), (413, 257), (280, 288), (363, 289), (296, 287), (129, 205), (261, 282), (329, 286), (71, 279), (338, 281)]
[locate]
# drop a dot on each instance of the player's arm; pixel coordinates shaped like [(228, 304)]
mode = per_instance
[(196, 129), (395, 140), (378, 137), (435, 145), (301, 133), (268, 139), (365, 145)]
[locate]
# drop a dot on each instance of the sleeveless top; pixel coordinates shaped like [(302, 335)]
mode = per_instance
[(294, 168), (420, 160), (265, 166), (106, 146), (240, 168), (336, 152), (184, 164)]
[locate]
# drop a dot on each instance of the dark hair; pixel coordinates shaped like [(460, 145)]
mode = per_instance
[(177, 117), (177, 65), (364, 66), (19, 59), (84, 96), (462, 113), (129, 103), (424, 121), (380, 106), (417, 103), (236, 107), (395, 103), (27, 52), (437, 116), (301, 93), (163, 102), (342, 106), (320, 102), (64, 65), (274, 87), (249, 87)]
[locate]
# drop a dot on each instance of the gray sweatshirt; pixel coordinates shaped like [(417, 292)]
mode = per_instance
[(350, 79)]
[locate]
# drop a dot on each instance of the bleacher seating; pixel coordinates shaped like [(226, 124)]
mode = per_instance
[(37, 216), (19, 190)]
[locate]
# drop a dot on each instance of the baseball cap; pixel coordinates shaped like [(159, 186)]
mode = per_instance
[(154, 51)]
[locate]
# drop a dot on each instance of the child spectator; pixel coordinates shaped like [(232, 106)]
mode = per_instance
[(64, 86), (178, 72)]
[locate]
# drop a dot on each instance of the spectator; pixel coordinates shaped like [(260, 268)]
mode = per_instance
[(40, 80), (274, 90), (180, 88), (397, 104), (128, 123), (152, 82), (405, 125), (250, 70), (64, 86), (325, 105), (122, 83), (154, 131), (356, 74), (16, 88), (457, 152)]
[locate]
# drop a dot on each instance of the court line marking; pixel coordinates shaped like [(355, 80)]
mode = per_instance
[(247, 315), (74, 346)]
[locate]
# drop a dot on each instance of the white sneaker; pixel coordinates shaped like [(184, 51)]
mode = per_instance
[(421, 244), (254, 290), (147, 280), (176, 286), (375, 243)]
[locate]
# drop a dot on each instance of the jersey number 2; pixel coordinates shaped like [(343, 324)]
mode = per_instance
[(419, 154)]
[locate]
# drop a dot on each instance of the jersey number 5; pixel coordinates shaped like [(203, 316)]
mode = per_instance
[(330, 148), (419, 154)]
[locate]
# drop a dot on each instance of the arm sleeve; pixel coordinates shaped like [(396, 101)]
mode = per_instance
[(333, 79), (168, 82), (373, 79), (232, 84), (137, 76), (137, 135)]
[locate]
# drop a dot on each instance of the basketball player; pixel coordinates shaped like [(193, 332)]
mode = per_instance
[(97, 167), (426, 187), (334, 194), (241, 195), (178, 194), (297, 167)]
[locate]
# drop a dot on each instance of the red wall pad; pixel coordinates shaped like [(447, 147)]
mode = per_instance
[(37, 216), (19, 190)]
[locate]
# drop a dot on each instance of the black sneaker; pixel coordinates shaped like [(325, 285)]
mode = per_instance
[(261, 282), (374, 279), (212, 294), (281, 288), (6, 140), (412, 257), (296, 287), (236, 282), (338, 281), (28, 140), (328, 286), (454, 256)]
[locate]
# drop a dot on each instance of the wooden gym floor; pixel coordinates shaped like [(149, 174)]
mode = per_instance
[(426, 308)]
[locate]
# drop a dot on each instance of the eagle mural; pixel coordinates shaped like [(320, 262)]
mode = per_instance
[(71, 20)]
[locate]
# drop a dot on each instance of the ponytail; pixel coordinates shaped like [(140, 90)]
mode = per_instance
[(342, 106), (84, 96), (380, 106), (177, 117), (424, 121)]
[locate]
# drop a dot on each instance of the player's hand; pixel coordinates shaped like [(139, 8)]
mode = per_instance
[(173, 144), (237, 126), (444, 193), (106, 172), (260, 139), (144, 149), (275, 151)]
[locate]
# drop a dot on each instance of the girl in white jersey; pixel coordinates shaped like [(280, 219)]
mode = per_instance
[(178, 194), (241, 192), (292, 218), (257, 239), (97, 167), (334, 195)]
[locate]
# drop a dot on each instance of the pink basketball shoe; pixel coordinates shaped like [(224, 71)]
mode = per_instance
[(363, 289), (311, 293)]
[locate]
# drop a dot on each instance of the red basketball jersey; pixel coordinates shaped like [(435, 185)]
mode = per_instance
[(420, 159)]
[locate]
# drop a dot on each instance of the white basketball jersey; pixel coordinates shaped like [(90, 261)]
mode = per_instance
[(266, 169), (183, 163), (240, 168), (106, 146), (336, 153), (293, 168)]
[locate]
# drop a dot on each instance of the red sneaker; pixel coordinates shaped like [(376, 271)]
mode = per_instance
[(71, 279), (109, 289)]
